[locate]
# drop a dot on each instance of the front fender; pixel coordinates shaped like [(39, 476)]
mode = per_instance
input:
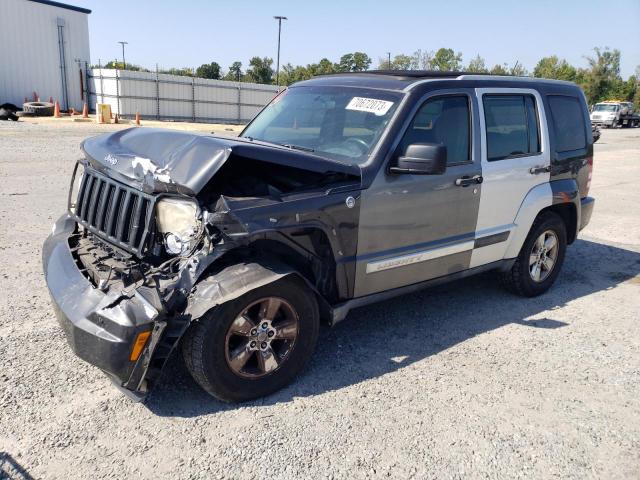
[(232, 282)]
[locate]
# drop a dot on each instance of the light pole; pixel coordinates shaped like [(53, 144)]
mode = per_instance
[(279, 18), (124, 64), (388, 60)]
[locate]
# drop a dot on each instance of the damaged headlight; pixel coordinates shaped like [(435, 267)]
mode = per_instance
[(178, 222), (76, 181)]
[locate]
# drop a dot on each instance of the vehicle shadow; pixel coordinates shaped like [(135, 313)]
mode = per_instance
[(10, 469), (384, 337)]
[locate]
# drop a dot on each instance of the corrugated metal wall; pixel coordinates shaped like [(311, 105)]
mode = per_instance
[(29, 53), (173, 97)]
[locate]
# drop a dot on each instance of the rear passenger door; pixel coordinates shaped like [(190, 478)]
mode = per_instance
[(515, 158)]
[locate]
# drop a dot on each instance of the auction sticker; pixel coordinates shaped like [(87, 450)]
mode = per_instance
[(371, 105)]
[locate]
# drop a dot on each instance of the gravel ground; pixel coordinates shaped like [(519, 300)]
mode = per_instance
[(461, 381)]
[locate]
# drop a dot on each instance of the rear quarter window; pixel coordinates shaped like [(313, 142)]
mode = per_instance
[(568, 123)]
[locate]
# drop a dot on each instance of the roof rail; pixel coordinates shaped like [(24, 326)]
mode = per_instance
[(510, 78)]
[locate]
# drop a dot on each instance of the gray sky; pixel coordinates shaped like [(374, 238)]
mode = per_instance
[(192, 32)]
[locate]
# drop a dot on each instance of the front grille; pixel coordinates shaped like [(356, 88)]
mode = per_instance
[(119, 214)]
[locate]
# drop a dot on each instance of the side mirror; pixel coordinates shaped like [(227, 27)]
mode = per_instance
[(422, 159)]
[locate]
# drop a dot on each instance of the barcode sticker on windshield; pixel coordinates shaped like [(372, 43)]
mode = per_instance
[(371, 105)]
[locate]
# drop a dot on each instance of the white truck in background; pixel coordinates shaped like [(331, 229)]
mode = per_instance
[(613, 113)]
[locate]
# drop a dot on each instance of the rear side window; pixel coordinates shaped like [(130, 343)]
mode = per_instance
[(512, 126), (443, 120), (568, 123)]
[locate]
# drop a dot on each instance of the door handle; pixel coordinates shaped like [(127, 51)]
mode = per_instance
[(538, 170), (466, 180)]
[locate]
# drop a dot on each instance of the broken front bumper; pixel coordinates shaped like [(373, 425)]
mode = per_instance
[(101, 328)]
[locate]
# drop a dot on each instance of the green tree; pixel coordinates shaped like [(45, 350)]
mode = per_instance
[(554, 68), (499, 70), (323, 67), (235, 72), (261, 70), (183, 72), (518, 70), (422, 60), (119, 66), (353, 62), (477, 65), (446, 59), (209, 70), (602, 77)]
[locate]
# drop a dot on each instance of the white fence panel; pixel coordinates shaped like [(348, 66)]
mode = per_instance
[(174, 97)]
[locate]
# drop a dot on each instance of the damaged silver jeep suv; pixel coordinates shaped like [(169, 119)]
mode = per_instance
[(343, 191)]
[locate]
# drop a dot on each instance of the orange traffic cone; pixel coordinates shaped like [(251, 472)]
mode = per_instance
[(85, 110), (56, 109), (137, 118)]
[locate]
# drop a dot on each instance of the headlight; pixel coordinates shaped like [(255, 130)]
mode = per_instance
[(76, 181), (178, 222)]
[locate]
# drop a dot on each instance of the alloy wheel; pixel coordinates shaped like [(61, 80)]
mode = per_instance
[(544, 255), (261, 337)]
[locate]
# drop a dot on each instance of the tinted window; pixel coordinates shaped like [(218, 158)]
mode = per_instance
[(512, 126), (568, 123), (443, 120)]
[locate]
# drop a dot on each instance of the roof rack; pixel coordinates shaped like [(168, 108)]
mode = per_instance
[(414, 73), (511, 78)]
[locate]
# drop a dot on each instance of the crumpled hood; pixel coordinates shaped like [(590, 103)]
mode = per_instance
[(159, 160)]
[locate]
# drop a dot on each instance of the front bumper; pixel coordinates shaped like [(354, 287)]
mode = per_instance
[(100, 327), (586, 209), (604, 122)]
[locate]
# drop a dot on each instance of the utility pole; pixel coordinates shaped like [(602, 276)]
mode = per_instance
[(389, 61), (279, 18), (124, 64)]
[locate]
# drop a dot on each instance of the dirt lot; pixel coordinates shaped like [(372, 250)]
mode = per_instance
[(461, 381)]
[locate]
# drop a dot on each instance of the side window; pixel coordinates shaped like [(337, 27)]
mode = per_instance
[(512, 126), (443, 120), (568, 123)]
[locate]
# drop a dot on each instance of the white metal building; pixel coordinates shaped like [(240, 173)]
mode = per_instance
[(44, 48)]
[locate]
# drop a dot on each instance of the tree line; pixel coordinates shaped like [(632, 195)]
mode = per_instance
[(600, 79)]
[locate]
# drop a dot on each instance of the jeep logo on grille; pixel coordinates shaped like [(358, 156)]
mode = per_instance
[(111, 159)]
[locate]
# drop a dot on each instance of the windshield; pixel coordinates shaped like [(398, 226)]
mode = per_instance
[(603, 107), (340, 123)]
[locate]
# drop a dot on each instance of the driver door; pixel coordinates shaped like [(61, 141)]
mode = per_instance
[(419, 227)]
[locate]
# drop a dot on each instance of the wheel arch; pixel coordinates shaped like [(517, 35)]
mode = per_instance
[(559, 196), (231, 281)]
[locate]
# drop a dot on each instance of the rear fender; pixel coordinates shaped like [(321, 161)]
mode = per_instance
[(539, 198)]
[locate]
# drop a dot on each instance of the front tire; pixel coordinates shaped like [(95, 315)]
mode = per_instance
[(541, 257), (256, 344)]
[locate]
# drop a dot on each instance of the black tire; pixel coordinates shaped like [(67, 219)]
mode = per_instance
[(203, 347), (38, 109), (7, 115), (518, 280)]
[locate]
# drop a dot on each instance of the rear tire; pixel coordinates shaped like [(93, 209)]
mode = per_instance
[(530, 263), (206, 347)]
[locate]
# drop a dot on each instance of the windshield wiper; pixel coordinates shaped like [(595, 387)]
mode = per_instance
[(296, 147), (287, 145)]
